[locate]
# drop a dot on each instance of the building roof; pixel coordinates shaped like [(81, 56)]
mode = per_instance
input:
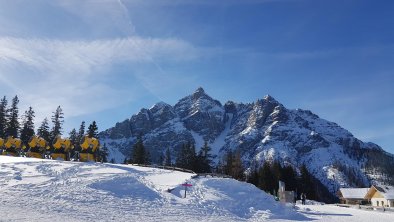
[(354, 193), (386, 191)]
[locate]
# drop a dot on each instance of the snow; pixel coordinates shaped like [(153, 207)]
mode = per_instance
[(354, 193), (51, 190), (198, 139), (220, 140)]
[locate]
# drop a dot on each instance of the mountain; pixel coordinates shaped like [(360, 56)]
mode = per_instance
[(261, 131)]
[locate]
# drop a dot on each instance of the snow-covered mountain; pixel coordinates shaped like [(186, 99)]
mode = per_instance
[(260, 131)]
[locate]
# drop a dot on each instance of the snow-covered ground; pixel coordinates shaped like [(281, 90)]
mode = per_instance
[(49, 190)]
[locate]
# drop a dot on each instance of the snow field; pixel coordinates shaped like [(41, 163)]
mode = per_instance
[(50, 190)]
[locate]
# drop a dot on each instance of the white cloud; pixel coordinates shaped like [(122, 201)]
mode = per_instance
[(74, 74)]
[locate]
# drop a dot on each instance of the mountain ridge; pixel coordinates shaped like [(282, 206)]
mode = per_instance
[(263, 130)]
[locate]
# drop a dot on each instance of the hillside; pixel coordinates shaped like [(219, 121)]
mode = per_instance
[(261, 131)]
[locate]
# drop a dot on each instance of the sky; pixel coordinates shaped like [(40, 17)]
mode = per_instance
[(104, 60)]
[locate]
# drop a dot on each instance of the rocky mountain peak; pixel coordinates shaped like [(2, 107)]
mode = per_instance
[(259, 131)]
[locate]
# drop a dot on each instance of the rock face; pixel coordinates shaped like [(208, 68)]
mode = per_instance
[(261, 131)]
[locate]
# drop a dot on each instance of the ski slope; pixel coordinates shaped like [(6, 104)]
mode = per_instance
[(49, 190)]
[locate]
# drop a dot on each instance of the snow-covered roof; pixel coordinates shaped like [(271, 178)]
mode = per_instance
[(354, 193), (386, 191)]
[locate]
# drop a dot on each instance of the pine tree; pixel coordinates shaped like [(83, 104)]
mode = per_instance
[(205, 159), (306, 183), (229, 159), (138, 153), (28, 126), (168, 161), (253, 176), (43, 130), (289, 176), (57, 121), (13, 122), (81, 131), (181, 160), (93, 130), (3, 117), (237, 168), (267, 178)]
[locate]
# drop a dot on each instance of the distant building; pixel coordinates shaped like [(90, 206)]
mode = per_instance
[(285, 196), (381, 196), (353, 195)]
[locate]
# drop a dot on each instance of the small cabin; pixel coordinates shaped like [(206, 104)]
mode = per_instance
[(353, 196), (381, 196)]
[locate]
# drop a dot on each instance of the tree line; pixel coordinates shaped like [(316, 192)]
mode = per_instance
[(23, 127)]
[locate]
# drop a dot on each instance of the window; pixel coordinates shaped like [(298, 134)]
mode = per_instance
[(382, 203), (377, 203)]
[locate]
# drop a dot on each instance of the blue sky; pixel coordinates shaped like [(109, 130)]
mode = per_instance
[(106, 59)]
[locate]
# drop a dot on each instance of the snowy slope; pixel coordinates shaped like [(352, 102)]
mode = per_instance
[(49, 190)]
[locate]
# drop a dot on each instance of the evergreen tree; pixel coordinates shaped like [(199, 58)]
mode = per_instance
[(13, 122), (187, 157), (43, 130), (289, 176), (28, 126), (93, 130), (181, 157), (138, 154), (266, 178), (168, 161), (237, 168), (306, 183), (57, 121), (205, 159), (3, 117), (81, 131), (228, 162), (253, 176)]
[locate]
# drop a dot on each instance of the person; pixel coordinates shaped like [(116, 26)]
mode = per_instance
[(303, 198)]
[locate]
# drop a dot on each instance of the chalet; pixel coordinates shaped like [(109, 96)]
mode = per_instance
[(381, 196), (353, 195)]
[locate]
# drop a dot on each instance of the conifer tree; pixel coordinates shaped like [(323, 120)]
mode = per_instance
[(57, 121), (13, 121), (28, 126), (43, 130), (93, 130), (3, 117), (138, 153), (81, 131), (306, 183), (266, 178), (168, 161), (237, 168), (229, 158)]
